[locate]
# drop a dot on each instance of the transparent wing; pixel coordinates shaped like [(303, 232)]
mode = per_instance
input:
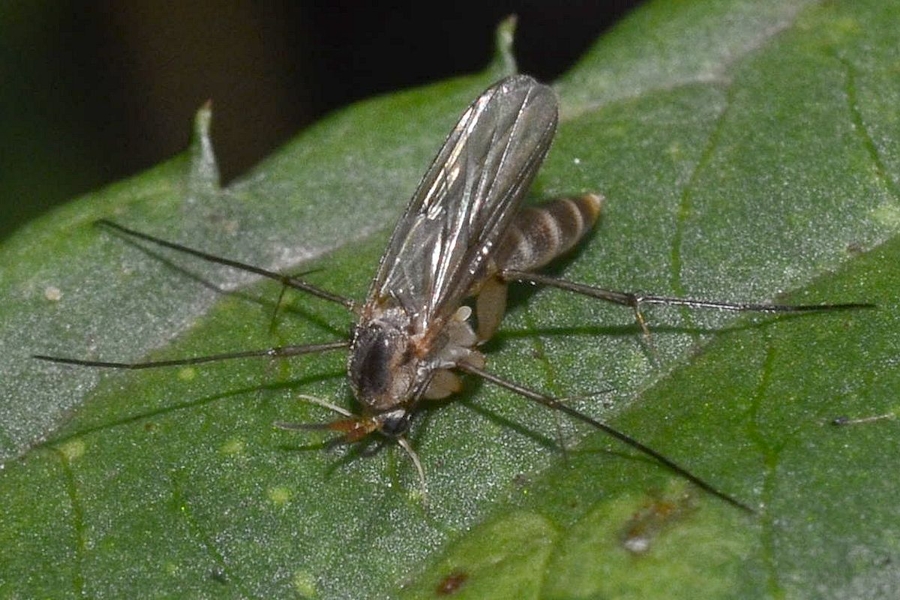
[(467, 199)]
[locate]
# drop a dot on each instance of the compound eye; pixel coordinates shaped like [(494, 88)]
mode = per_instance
[(370, 364), (395, 423)]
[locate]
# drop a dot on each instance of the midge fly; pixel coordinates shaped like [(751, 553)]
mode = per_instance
[(463, 234)]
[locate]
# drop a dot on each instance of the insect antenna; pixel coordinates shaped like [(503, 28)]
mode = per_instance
[(555, 404), (278, 352), (635, 301), (286, 280)]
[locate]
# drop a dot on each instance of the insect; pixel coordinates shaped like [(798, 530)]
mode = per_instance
[(464, 234)]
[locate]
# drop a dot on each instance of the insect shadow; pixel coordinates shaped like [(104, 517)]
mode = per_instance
[(464, 234)]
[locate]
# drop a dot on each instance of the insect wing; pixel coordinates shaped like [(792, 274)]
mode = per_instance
[(467, 199)]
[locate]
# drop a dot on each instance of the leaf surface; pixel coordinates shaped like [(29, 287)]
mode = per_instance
[(748, 151)]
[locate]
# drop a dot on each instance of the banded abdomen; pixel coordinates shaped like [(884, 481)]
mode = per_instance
[(536, 236), (541, 233)]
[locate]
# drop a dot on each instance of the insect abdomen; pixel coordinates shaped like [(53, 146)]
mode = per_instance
[(540, 234)]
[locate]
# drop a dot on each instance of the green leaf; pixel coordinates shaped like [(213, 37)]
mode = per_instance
[(747, 151)]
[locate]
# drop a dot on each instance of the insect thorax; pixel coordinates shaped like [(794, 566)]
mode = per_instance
[(394, 361)]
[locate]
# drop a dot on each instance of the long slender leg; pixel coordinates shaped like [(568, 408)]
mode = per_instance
[(286, 280), (635, 301), (609, 430), (279, 352)]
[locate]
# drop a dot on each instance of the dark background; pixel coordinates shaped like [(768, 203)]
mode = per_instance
[(93, 92)]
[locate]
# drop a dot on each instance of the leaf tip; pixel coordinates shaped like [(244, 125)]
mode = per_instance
[(504, 61), (204, 172)]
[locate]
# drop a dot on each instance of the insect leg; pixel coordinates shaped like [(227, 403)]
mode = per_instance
[(274, 320), (279, 352), (609, 430), (286, 280), (636, 301)]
